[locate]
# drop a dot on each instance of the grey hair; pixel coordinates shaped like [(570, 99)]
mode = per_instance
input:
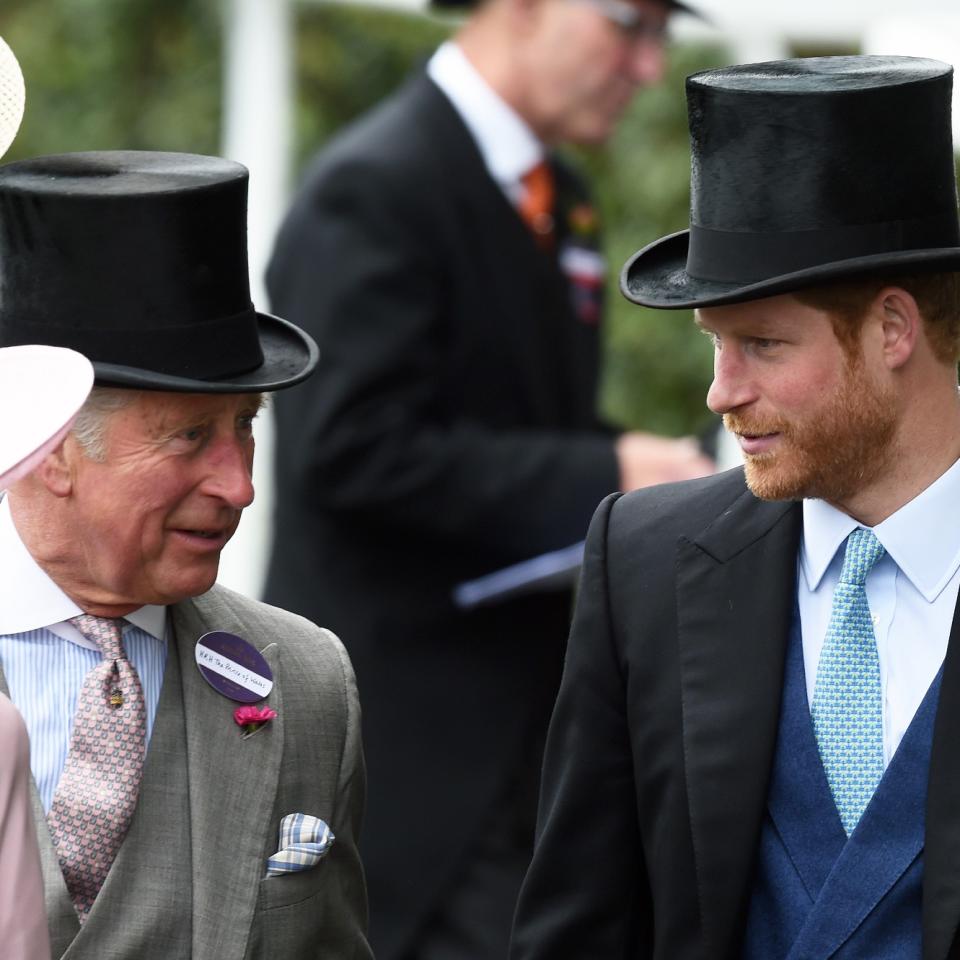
[(90, 427)]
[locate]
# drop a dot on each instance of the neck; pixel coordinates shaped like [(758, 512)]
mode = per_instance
[(496, 59), (55, 553)]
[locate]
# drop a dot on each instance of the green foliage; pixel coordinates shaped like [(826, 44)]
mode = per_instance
[(116, 74), (348, 59)]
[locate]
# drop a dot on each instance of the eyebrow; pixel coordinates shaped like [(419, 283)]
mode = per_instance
[(168, 427), (760, 327)]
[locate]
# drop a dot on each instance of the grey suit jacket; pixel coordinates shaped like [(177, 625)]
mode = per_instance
[(306, 760)]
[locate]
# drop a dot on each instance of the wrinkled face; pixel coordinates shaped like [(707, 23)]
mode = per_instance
[(589, 57), (812, 419), (150, 520)]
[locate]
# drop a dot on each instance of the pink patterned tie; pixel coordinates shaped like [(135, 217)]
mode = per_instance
[(97, 792)]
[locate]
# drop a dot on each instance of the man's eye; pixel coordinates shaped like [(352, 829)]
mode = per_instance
[(192, 435)]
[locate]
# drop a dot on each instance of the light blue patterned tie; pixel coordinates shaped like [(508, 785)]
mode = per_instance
[(847, 700)]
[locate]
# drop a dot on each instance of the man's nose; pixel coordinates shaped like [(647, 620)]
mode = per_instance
[(230, 473), (731, 387)]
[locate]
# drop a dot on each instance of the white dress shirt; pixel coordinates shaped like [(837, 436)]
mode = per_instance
[(508, 146), (45, 659), (912, 592)]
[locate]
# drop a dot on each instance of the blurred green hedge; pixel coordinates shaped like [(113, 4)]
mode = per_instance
[(146, 74), (116, 74)]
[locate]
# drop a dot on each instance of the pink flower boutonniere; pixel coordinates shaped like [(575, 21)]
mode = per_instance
[(250, 719)]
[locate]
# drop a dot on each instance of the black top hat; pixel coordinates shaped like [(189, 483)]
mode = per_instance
[(139, 261), (807, 171)]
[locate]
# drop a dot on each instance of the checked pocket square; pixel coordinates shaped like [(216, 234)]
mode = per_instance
[(304, 841)]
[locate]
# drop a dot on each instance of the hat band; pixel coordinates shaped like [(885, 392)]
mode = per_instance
[(729, 256), (198, 351)]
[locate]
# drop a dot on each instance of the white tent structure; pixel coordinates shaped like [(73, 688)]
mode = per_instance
[(258, 96)]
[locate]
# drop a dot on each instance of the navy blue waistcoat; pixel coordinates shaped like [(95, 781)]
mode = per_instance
[(817, 894)]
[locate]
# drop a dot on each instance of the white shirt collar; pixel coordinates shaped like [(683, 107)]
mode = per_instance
[(919, 537), (507, 144), (30, 600)]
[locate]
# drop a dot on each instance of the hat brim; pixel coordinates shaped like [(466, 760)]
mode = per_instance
[(289, 356), (656, 276), (686, 8)]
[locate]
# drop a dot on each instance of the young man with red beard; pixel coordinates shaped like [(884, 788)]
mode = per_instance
[(753, 754)]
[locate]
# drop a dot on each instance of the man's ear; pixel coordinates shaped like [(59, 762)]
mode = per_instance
[(901, 324), (55, 472)]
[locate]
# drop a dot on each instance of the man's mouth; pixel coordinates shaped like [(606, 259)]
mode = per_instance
[(203, 537), (753, 444)]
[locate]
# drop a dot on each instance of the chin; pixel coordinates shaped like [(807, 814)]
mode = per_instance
[(591, 137), (185, 587), (771, 481)]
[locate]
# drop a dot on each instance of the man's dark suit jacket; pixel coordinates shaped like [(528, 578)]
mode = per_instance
[(660, 749), (449, 431)]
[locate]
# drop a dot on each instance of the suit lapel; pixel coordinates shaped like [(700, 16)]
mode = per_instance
[(233, 786), (464, 162), (941, 889), (159, 835), (735, 591), (537, 313), (799, 800), (61, 916), (884, 846)]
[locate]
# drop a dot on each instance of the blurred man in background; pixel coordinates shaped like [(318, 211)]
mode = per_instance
[(448, 265)]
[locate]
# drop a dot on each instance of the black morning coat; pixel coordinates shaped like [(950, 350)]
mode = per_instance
[(449, 430), (659, 754)]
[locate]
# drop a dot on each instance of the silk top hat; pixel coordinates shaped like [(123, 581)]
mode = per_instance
[(804, 172), (139, 261)]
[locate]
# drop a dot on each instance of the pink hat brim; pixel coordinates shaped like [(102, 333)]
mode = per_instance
[(44, 388)]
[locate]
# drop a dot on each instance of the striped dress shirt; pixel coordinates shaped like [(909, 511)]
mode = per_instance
[(45, 659)]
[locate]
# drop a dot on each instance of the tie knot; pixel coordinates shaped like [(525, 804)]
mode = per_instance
[(105, 632), (538, 177), (863, 551)]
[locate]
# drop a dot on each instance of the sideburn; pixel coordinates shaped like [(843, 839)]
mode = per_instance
[(837, 450)]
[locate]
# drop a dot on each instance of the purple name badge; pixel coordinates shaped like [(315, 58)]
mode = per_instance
[(233, 667)]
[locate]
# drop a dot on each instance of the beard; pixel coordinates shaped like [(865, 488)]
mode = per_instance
[(833, 451)]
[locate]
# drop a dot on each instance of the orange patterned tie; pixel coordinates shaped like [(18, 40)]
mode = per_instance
[(536, 204), (97, 793)]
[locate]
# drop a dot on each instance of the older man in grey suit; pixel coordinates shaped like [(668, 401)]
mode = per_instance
[(195, 755)]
